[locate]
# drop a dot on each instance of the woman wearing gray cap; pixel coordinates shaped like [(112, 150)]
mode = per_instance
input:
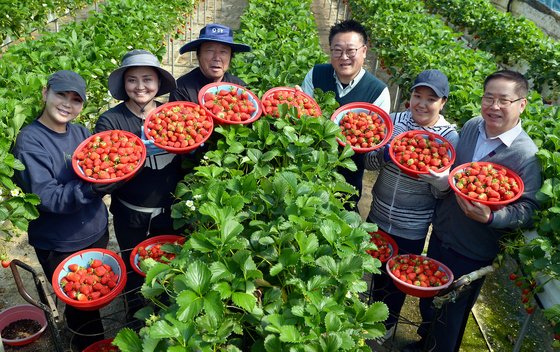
[(141, 206), (214, 49), (403, 206), (72, 215)]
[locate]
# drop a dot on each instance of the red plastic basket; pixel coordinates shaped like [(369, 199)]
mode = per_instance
[(83, 258), (269, 100), (494, 205), (78, 165), (415, 290), (389, 241), (367, 108), (218, 86), (425, 134), (147, 244), (103, 345), (19, 312), (182, 107)]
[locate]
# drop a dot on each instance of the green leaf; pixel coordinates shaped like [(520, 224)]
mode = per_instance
[(328, 264), (289, 333), (128, 341), (276, 269), (197, 277), (244, 300), (213, 305), (332, 322), (163, 330), (190, 304)]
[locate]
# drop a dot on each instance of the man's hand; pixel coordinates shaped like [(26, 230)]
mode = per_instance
[(437, 179), (474, 210), (107, 188)]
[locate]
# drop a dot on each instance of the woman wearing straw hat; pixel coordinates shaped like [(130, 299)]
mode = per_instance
[(214, 49), (141, 206)]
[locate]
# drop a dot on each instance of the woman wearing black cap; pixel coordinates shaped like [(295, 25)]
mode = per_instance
[(402, 206), (214, 49), (72, 215), (141, 206)]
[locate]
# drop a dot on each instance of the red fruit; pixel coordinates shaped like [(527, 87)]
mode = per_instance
[(73, 267), (95, 263), (512, 276), (5, 263), (530, 309)]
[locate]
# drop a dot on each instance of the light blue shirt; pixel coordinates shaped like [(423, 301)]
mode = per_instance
[(485, 146)]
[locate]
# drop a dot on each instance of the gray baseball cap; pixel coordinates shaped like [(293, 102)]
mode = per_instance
[(434, 79), (68, 81)]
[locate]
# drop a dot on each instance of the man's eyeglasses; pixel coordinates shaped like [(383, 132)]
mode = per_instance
[(350, 53), (502, 102)]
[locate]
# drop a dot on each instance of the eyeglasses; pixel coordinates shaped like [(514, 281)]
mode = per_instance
[(350, 53), (502, 102)]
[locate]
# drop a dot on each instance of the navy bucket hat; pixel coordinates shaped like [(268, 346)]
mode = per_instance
[(434, 79), (214, 32)]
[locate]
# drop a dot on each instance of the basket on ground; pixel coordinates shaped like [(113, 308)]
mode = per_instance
[(366, 127), (18, 313), (146, 249), (386, 246), (418, 275), (414, 152), (109, 156), (103, 345), (230, 103), (178, 127), (75, 279), (305, 104), (488, 183)]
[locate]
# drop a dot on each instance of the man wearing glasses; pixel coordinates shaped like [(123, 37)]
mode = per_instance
[(466, 234), (347, 78)]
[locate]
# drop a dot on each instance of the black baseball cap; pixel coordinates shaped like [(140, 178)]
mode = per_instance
[(68, 81)]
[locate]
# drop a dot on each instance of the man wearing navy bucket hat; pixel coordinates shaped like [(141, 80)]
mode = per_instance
[(214, 49)]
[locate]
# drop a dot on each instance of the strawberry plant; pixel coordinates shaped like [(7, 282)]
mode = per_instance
[(273, 261), (512, 40)]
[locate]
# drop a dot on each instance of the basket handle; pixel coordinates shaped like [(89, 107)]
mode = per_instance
[(50, 307)]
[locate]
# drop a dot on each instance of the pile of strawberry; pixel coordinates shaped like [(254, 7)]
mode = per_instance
[(363, 130), (179, 126), (485, 182), (384, 249), (419, 152), (155, 252), (304, 104), (230, 104), (88, 284), (109, 155), (418, 271)]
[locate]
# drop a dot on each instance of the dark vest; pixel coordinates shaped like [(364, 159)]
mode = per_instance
[(367, 90)]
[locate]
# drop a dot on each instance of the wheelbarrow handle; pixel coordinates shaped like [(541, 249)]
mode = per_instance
[(40, 283)]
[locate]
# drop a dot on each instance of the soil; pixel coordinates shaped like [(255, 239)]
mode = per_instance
[(496, 291), (21, 329)]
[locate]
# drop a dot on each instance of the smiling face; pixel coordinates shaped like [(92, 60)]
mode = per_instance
[(60, 108), (213, 60), (141, 84), (501, 119), (426, 106), (347, 67)]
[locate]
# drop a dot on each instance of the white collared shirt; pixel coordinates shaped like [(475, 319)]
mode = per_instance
[(485, 145)]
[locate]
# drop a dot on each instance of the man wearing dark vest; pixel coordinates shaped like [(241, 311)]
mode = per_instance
[(346, 77)]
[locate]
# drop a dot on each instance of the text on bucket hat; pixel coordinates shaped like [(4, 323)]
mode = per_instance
[(434, 79), (214, 32), (139, 58), (67, 81)]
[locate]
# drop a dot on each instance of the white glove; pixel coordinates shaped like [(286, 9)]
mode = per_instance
[(437, 179)]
